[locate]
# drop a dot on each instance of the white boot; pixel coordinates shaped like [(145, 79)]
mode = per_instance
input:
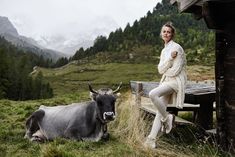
[(168, 123), (150, 143)]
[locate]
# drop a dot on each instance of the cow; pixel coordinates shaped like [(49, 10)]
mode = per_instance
[(78, 121)]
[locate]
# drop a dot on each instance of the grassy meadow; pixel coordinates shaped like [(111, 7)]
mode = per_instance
[(127, 131), (74, 77)]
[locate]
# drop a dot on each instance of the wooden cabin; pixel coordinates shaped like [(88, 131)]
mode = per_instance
[(220, 16)]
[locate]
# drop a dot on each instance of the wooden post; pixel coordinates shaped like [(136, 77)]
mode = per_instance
[(205, 114), (219, 76), (229, 85), (139, 88)]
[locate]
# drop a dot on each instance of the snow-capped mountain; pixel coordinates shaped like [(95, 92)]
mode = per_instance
[(69, 43), (66, 45), (9, 32)]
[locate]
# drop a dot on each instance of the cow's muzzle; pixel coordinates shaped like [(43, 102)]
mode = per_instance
[(108, 116)]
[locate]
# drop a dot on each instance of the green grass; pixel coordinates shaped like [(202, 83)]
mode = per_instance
[(13, 116), (74, 78), (12, 143), (128, 131)]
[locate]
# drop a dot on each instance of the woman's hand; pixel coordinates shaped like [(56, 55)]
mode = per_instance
[(174, 54)]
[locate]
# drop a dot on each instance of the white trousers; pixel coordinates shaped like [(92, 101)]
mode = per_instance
[(160, 97)]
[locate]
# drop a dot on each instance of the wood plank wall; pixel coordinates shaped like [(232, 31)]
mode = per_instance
[(219, 75), (229, 86)]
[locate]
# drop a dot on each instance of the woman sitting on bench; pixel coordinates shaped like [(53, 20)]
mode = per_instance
[(172, 85)]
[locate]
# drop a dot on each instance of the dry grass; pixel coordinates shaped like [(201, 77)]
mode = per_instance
[(200, 73), (130, 122), (133, 125)]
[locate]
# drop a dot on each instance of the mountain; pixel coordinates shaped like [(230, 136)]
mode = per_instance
[(7, 27), (72, 40), (140, 42), (63, 44), (9, 32)]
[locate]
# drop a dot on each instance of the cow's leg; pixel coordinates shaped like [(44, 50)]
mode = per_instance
[(105, 136), (32, 123)]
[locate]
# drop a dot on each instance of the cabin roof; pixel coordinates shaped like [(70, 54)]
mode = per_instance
[(216, 13), (185, 5), (188, 5)]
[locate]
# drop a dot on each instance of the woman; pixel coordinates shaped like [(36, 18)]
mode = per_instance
[(172, 85)]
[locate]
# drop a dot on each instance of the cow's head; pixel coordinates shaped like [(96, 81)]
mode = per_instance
[(105, 99)]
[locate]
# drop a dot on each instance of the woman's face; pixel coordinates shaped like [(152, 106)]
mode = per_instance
[(166, 34)]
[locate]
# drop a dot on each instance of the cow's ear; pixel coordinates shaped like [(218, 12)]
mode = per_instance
[(93, 93), (93, 96), (117, 95)]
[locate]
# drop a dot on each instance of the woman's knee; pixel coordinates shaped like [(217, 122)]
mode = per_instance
[(153, 94)]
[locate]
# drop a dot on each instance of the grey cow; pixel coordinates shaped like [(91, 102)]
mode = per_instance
[(79, 121)]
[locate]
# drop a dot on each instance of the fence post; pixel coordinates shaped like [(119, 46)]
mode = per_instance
[(139, 88)]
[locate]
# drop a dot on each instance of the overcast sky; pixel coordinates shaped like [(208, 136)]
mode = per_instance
[(34, 18)]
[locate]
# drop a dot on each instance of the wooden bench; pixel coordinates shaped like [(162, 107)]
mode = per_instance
[(199, 98)]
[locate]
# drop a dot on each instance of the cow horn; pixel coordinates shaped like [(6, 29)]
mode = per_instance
[(118, 88), (92, 90)]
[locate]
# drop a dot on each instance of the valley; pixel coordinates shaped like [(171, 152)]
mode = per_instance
[(127, 131)]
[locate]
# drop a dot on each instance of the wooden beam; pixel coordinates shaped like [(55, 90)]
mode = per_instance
[(152, 110)]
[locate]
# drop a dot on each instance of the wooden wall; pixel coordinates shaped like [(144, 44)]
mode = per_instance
[(219, 76), (224, 23), (229, 86), (219, 15)]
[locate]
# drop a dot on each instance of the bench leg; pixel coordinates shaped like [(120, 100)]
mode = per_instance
[(195, 116), (175, 112), (205, 115)]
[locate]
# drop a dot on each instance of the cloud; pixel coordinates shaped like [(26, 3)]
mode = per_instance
[(55, 23), (34, 17)]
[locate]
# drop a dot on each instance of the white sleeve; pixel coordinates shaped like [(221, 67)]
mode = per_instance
[(178, 64), (164, 65)]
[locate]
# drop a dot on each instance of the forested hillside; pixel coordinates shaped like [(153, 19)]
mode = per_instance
[(15, 68), (141, 41), (136, 43)]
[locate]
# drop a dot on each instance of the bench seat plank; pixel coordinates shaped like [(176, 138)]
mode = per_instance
[(149, 108)]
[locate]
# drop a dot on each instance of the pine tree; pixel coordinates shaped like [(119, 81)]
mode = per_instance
[(4, 83), (15, 67)]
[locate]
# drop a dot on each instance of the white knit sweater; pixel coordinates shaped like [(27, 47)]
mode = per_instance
[(173, 72)]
